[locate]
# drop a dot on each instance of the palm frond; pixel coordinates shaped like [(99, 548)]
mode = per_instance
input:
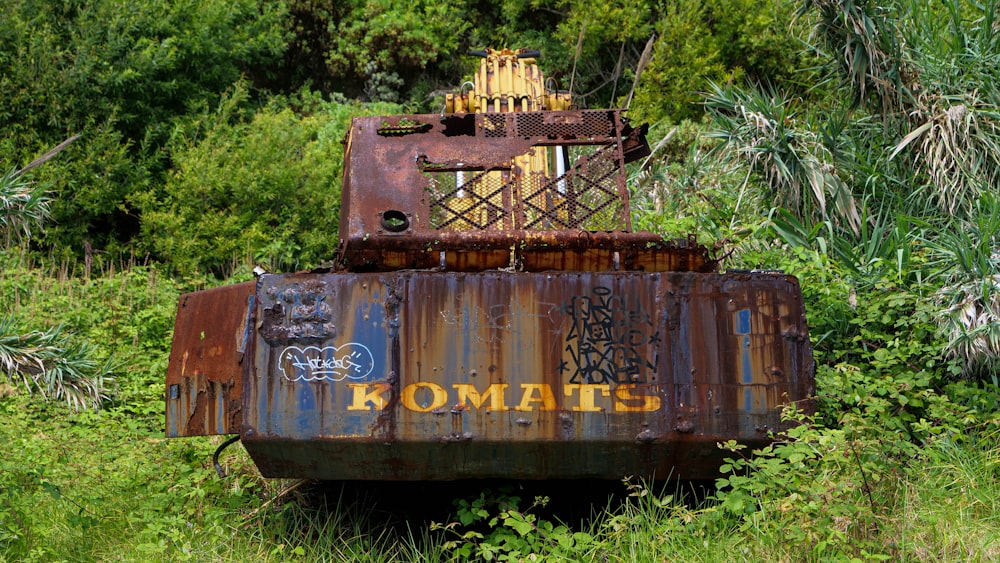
[(23, 206), (954, 122), (47, 363), (965, 260), (792, 160), (972, 324), (864, 46)]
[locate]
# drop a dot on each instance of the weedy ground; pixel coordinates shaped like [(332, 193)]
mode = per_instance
[(892, 468)]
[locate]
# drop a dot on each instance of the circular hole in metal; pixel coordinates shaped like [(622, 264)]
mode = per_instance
[(395, 221)]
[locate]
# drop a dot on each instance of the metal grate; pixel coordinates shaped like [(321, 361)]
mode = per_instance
[(553, 125), (585, 197), (580, 125), (495, 125), (479, 201)]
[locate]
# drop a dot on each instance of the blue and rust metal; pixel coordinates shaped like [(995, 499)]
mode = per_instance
[(492, 314)]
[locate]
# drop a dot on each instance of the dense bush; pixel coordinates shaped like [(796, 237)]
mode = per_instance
[(383, 50), (264, 189), (128, 79), (119, 74), (698, 41)]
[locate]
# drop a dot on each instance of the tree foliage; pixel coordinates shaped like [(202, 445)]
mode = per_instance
[(118, 74), (698, 41), (262, 188), (128, 78), (387, 44), (376, 50)]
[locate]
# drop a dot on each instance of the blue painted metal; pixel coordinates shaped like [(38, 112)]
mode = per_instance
[(482, 321), (433, 375)]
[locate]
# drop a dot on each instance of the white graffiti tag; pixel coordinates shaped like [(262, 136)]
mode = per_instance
[(331, 363)]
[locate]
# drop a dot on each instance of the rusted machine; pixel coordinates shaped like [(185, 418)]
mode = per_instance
[(492, 314)]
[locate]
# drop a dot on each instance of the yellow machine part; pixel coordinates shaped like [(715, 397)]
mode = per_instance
[(507, 81)]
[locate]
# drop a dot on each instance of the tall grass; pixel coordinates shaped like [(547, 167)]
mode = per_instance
[(950, 509), (105, 485)]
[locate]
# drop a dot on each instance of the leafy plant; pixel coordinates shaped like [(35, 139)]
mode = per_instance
[(46, 362), (793, 162), (864, 50), (387, 44), (822, 488), (511, 534), (52, 365), (681, 189), (965, 259), (699, 42), (261, 189), (119, 75), (25, 207)]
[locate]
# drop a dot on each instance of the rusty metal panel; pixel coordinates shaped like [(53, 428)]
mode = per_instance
[(319, 337), (434, 375), (205, 371), (535, 251), (461, 182)]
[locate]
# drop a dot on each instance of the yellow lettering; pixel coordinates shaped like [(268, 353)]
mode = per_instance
[(586, 396), (628, 397), (629, 402), (545, 397), (439, 396), (364, 394), (467, 393)]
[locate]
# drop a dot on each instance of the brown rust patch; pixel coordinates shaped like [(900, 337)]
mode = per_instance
[(481, 363), (467, 191), (207, 350)]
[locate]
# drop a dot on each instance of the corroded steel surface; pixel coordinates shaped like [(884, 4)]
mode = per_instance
[(205, 372), (532, 251), (490, 313), (480, 191), (434, 375)]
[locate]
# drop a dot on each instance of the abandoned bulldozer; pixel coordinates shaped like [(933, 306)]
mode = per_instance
[(491, 313)]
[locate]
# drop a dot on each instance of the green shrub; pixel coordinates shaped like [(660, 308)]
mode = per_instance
[(698, 41), (511, 533), (119, 74), (682, 190), (265, 189)]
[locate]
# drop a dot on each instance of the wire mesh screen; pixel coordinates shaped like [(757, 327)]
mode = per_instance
[(469, 200), (578, 125), (585, 197)]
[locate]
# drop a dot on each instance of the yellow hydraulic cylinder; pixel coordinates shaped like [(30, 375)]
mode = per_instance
[(507, 81)]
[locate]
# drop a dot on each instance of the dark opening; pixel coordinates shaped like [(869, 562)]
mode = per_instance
[(459, 125), (395, 221)]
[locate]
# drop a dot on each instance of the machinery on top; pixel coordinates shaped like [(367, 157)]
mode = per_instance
[(492, 313)]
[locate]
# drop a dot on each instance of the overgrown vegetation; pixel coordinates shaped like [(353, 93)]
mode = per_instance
[(852, 144)]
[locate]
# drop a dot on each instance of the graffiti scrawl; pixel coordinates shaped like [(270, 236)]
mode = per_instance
[(607, 339), (332, 363)]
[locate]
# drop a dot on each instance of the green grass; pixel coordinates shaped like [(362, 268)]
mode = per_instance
[(951, 512), (92, 486), (104, 485)]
